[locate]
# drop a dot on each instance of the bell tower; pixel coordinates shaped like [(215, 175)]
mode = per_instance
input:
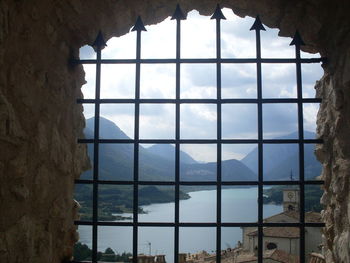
[(291, 199)]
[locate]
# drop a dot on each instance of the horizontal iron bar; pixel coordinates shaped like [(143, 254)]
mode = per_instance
[(198, 183), (204, 141), (197, 224), (204, 101), (198, 60)]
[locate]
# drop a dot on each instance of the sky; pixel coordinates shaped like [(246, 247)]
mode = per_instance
[(198, 121)]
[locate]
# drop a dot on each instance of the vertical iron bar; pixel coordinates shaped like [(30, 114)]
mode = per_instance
[(96, 156), (260, 148), (177, 144), (301, 153), (218, 164), (136, 145)]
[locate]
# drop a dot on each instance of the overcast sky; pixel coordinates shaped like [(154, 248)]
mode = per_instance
[(199, 81)]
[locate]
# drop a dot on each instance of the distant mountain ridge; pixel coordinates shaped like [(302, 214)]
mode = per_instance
[(108, 129), (167, 150), (156, 162), (282, 160)]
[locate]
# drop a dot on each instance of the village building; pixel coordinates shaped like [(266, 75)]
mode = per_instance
[(281, 244), (286, 238)]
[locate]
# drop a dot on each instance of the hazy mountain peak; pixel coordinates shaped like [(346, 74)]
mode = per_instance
[(282, 159), (108, 129), (167, 151)]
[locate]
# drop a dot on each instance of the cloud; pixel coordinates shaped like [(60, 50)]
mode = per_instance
[(239, 121), (157, 121), (199, 121), (117, 81), (310, 111), (201, 152), (198, 36), (236, 151), (87, 52), (158, 81), (279, 119)]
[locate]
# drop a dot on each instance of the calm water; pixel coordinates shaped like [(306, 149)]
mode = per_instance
[(238, 205)]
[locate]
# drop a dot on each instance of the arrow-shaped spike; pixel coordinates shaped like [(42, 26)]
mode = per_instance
[(178, 14), (99, 41), (297, 40), (139, 26), (218, 13), (257, 24)]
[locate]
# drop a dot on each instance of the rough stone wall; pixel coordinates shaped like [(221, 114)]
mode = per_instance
[(40, 121)]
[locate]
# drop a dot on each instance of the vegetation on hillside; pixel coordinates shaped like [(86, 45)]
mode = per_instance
[(313, 195), (83, 253), (119, 199)]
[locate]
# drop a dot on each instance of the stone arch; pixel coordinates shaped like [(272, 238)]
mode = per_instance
[(40, 159)]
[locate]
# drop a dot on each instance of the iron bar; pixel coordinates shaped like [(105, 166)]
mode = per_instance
[(204, 141), (202, 183), (219, 142), (297, 41), (257, 26), (202, 60), (138, 28), (96, 152), (201, 101), (209, 224), (218, 16), (178, 16)]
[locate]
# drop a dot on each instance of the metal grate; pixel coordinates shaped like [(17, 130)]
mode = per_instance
[(178, 15)]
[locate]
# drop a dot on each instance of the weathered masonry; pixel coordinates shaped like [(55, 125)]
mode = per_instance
[(40, 120)]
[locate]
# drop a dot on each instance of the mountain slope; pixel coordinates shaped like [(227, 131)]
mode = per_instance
[(116, 161), (167, 151), (108, 130), (282, 159), (231, 170)]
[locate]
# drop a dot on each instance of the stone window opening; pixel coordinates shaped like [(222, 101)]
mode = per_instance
[(100, 43), (38, 95)]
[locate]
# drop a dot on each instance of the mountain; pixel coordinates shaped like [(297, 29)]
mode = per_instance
[(108, 130), (116, 161), (168, 151), (231, 170), (280, 160)]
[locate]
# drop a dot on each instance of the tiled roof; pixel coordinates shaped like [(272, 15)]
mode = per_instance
[(310, 217), (275, 254), (287, 232), (313, 217), (293, 215), (280, 256)]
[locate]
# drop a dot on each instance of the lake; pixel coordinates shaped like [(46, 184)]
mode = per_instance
[(238, 205)]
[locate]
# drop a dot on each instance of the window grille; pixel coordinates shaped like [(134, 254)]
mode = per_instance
[(178, 16)]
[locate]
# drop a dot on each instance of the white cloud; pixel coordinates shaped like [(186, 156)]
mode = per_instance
[(310, 111), (157, 121), (201, 152), (199, 121), (236, 151), (198, 37), (239, 121), (158, 81)]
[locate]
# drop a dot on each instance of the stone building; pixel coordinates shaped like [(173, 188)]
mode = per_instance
[(40, 120), (286, 239)]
